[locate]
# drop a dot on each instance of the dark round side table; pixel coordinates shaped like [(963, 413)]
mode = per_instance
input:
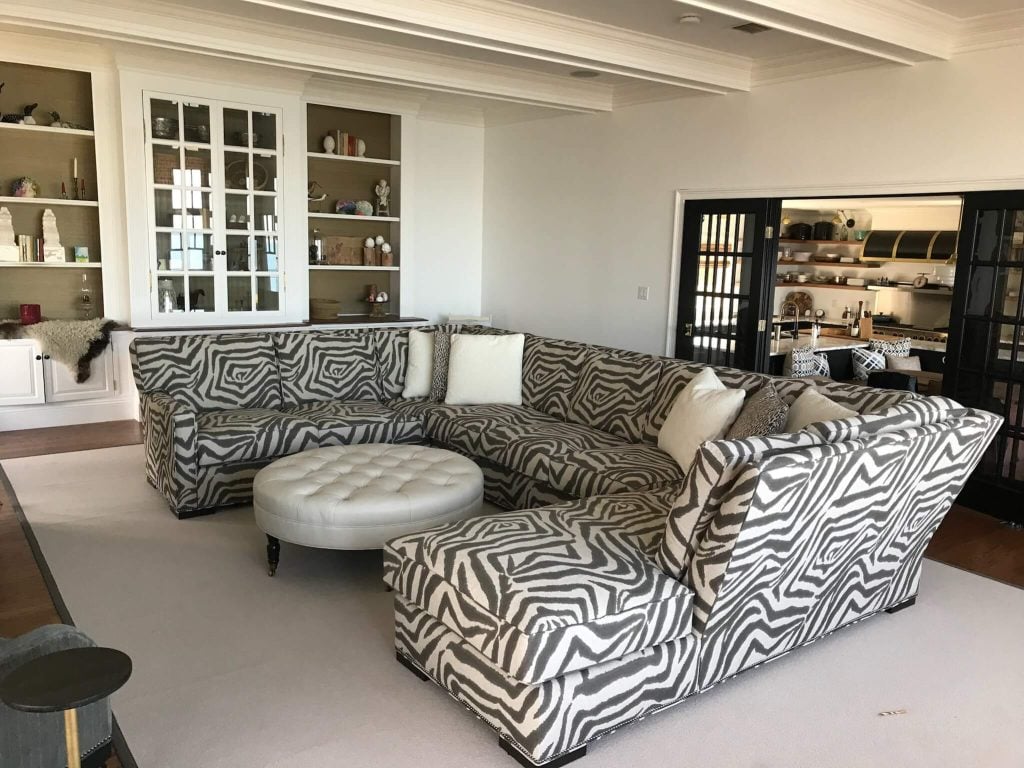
[(63, 682)]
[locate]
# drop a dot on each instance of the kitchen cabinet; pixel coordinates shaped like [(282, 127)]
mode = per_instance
[(21, 373), (60, 386)]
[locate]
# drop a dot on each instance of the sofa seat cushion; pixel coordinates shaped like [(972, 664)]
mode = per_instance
[(545, 591), (526, 447), (357, 421), (610, 470), (251, 434)]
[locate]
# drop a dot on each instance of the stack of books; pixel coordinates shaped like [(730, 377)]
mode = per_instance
[(30, 248)]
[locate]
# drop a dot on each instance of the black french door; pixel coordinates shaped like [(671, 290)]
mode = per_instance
[(727, 262), (985, 354)]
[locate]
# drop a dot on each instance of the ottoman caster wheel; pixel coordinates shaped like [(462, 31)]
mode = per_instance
[(273, 555)]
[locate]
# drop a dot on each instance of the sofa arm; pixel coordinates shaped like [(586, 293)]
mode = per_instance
[(810, 540), (170, 431)]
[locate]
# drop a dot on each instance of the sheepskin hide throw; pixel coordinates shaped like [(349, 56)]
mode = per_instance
[(72, 342)]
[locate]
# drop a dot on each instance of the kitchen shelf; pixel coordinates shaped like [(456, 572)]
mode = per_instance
[(832, 264), (47, 129), (352, 159), (910, 289), (49, 200), (820, 242), (832, 286), (53, 264), (353, 267), (352, 217)]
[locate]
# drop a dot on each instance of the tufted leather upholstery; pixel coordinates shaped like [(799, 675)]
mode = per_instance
[(360, 496)]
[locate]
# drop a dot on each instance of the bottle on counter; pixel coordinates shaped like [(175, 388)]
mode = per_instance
[(86, 307), (855, 330)]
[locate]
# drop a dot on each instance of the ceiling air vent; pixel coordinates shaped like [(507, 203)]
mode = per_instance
[(752, 28)]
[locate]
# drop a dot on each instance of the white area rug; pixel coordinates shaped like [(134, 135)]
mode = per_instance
[(233, 668)]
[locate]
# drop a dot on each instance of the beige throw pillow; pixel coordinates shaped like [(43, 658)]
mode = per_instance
[(485, 370), (703, 411), (418, 372), (812, 406), (894, 363)]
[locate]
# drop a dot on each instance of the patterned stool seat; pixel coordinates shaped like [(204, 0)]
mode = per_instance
[(360, 496)]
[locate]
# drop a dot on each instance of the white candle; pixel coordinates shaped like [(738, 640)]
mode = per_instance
[(74, 174)]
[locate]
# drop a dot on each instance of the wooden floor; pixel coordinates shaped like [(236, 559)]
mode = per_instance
[(966, 539)]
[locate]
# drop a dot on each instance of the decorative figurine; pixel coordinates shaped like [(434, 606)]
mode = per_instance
[(59, 123), (379, 240), (329, 144), (53, 251), (26, 114), (387, 258), (26, 186), (363, 208), (315, 196), (347, 207), (368, 243), (383, 192), (8, 248)]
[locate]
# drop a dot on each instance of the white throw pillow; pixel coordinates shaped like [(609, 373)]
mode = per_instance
[(813, 406), (486, 369), (703, 411), (420, 368)]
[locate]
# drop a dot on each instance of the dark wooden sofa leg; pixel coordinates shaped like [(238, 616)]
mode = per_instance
[(410, 666), (900, 606), (523, 760), (273, 554)]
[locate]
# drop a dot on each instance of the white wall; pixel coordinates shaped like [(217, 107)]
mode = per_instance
[(580, 209), (444, 222)]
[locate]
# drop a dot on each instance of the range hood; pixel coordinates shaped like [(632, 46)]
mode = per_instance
[(910, 245)]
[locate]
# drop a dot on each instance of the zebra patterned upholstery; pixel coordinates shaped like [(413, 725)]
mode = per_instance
[(320, 366), (614, 391), (169, 434), (597, 471), (551, 370), (358, 422), (251, 434)]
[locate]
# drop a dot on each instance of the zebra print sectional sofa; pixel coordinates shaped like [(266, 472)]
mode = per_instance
[(616, 586)]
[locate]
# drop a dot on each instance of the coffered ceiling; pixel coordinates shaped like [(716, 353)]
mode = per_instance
[(508, 60)]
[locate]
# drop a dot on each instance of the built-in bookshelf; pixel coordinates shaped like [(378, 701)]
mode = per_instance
[(47, 153), (339, 269)]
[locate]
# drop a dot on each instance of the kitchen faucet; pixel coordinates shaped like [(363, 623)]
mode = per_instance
[(796, 316)]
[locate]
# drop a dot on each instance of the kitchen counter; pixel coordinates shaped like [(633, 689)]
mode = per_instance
[(829, 343)]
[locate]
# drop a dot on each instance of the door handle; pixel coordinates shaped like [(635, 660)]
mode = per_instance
[(688, 329)]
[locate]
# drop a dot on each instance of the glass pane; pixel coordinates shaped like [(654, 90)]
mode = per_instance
[(264, 130), (163, 118), (236, 170), (239, 294), (198, 212), (169, 254), (238, 253), (1006, 341), (236, 128), (237, 211), (166, 164), (170, 295), (199, 250), (197, 167), (974, 345), (264, 173), (1015, 251), (264, 213), (200, 293), (268, 298), (266, 254), (1008, 291), (167, 207), (197, 123), (979, 295)]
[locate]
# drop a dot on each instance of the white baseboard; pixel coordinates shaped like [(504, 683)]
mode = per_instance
[(63, 414)]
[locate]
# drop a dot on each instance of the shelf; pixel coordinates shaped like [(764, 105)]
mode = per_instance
[(832, 264), (820, 242), (352, 217), (49, 201), (832, 286), (352, 159), (52, 264), (943, 292), (353, 267), (47, 129)]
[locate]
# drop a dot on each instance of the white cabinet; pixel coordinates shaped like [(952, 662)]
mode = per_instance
[(21, 373), (61, 387)]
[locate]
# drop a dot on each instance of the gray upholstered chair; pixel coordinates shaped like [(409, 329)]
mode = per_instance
[(37, 741)]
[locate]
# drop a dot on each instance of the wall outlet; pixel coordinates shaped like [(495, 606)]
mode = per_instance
[(643, 293)]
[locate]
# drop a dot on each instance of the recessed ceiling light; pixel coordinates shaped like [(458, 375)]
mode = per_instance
[(584, 74), (690, 18)]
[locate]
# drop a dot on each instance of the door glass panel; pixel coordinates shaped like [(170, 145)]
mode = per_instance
[(199, 253), (265, 213), (198, 213), (166, 164), (988, 235), (1008, 291), (236, 128), (239, 294), (1015, 242), (169, 252), (200, 293), (236, 170), (170, 295), (167, 208), (163, 119), (237, 211), (197, 123), (264, 173), (975, 344), (1005, 339), (197, 168), (979, 295), (264, 130), (238, 253), (266, 254), (267, 295)]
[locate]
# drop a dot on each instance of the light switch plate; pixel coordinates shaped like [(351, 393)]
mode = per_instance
[(643, 293)]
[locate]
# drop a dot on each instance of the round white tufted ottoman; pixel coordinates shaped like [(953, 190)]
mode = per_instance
[(360, 496)]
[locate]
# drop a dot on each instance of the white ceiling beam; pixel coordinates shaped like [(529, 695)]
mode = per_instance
[(893, 30), (524, 32), (233, 37)]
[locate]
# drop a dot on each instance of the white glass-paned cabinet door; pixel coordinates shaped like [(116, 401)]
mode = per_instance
[(214, 210)]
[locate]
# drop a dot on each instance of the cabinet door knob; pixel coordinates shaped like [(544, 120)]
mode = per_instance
[(46, 357), (39, 357)]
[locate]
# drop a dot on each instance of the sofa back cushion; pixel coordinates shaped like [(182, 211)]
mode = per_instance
[(614, 391), (675, 375), (392, 360), (222, 371), (551, 370), (319, 366), (919, 412), (854, 396), (710, 479)]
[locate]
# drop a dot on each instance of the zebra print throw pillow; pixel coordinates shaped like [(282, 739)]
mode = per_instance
[(764, 413), (442, 353), (895, 348), (865, 361)]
